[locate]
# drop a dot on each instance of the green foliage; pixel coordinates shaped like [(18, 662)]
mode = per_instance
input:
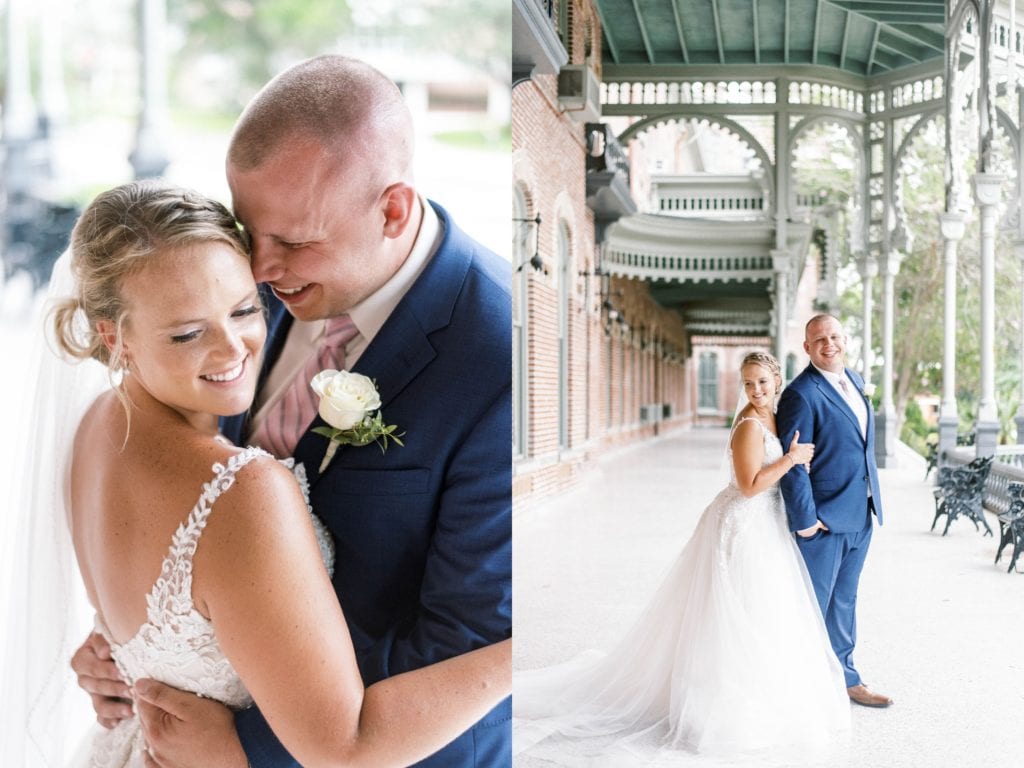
[(479, 32), (254, 39), (498, 140), (915, 430), (919, 295)]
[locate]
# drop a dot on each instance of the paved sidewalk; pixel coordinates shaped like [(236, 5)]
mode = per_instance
[(941, 629)]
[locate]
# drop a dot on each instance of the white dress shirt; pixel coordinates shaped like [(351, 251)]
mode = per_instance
[(851, 395)]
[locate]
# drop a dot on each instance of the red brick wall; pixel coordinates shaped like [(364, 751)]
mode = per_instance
[(549, 164)]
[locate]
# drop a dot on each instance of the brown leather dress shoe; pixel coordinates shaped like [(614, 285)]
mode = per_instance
[(859, 694)]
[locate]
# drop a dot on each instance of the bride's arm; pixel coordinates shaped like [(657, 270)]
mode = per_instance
[(259, 577), (748, 455)]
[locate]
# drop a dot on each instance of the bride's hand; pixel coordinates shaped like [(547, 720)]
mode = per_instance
[(800, 453), (98, 676)]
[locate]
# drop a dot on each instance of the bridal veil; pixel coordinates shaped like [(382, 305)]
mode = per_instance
[(44, 713)]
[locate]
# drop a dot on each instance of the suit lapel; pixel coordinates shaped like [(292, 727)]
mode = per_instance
[(402, 348), (391, 365), (833, 396)]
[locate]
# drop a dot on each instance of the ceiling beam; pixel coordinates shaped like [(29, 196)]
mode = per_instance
[(920, 34), (679, 31), (896, 57), (846, 39), (874, 45), (718, 31), (900, 44), (926, 12), (817, 25), (901, 16), (890, 59), (785, 34), (643, 32), (757, 33), (606, 30)]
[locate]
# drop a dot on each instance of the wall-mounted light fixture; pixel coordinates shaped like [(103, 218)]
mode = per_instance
[(535, 261)]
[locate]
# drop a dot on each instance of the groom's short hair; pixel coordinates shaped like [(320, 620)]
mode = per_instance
[(343, 104), (818, 318)]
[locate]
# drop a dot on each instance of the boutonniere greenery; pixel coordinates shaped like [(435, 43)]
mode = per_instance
[(868, 390), (350, 403)]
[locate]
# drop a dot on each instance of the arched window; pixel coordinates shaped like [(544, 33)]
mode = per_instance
[(564, 286), (523, 238), (790, 366), (707, 382)]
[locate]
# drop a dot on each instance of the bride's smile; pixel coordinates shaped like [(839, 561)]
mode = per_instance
[(201, 362)]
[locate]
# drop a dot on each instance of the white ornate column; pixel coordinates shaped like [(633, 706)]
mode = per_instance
[(53, 100), (782, 267), (19, 116), (867, 267), (781, 258), (149, 157), (952, 226), (986, 191), (885, 419), (1018, 248)]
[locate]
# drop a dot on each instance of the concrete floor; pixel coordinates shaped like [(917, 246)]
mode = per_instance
[(941, 629)]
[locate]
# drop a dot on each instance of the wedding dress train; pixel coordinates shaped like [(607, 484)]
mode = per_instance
[(730, 658), (177, 645)]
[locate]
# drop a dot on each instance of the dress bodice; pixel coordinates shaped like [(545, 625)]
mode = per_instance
[(177, 645), (772, 447)]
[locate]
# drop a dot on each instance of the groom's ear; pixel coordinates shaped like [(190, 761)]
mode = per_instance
[(397, 203)]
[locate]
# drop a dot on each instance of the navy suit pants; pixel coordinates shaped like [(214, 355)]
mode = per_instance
[(834, 562)]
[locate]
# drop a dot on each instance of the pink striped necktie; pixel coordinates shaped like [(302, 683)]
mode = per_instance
[(288, 418)]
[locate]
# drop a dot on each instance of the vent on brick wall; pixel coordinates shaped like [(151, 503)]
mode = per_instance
[(651, 413), (579, 93)]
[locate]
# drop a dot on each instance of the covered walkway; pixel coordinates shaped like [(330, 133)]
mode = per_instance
[(941, 628)]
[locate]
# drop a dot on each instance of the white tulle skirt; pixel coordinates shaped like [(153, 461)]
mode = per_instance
[(730, 659)]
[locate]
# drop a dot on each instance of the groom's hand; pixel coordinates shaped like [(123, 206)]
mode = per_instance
[(806, 533), (183, 730), (98, 676)]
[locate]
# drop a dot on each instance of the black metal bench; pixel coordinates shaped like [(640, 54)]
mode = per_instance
[(932, 458), (961, 492), (1011, 525)]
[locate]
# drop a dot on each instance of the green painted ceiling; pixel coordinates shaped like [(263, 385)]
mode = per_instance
[(863, 37)]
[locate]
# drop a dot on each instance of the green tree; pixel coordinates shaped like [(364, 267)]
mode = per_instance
[(479, 32), (918, 342), (256, 38)]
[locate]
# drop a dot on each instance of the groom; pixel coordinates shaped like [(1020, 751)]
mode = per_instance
[(362, 268), (830, 507)]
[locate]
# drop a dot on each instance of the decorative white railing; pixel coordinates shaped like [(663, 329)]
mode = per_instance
[(676, 268), (803, 93), (708, 196), (689, 92)]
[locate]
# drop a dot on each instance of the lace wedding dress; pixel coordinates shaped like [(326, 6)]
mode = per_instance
[(730, 659), (177, 645)]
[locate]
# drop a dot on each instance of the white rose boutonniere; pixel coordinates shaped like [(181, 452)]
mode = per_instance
[(869, 390), (350, 403)]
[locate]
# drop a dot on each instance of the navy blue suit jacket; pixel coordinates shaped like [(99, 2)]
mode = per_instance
[(843, 467), (423, 532)]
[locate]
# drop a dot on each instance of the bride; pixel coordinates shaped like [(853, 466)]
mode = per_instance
[(730, 658), (231, 600)]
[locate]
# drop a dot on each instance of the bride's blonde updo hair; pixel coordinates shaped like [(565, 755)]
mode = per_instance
[(114, 238), (767, 361)]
